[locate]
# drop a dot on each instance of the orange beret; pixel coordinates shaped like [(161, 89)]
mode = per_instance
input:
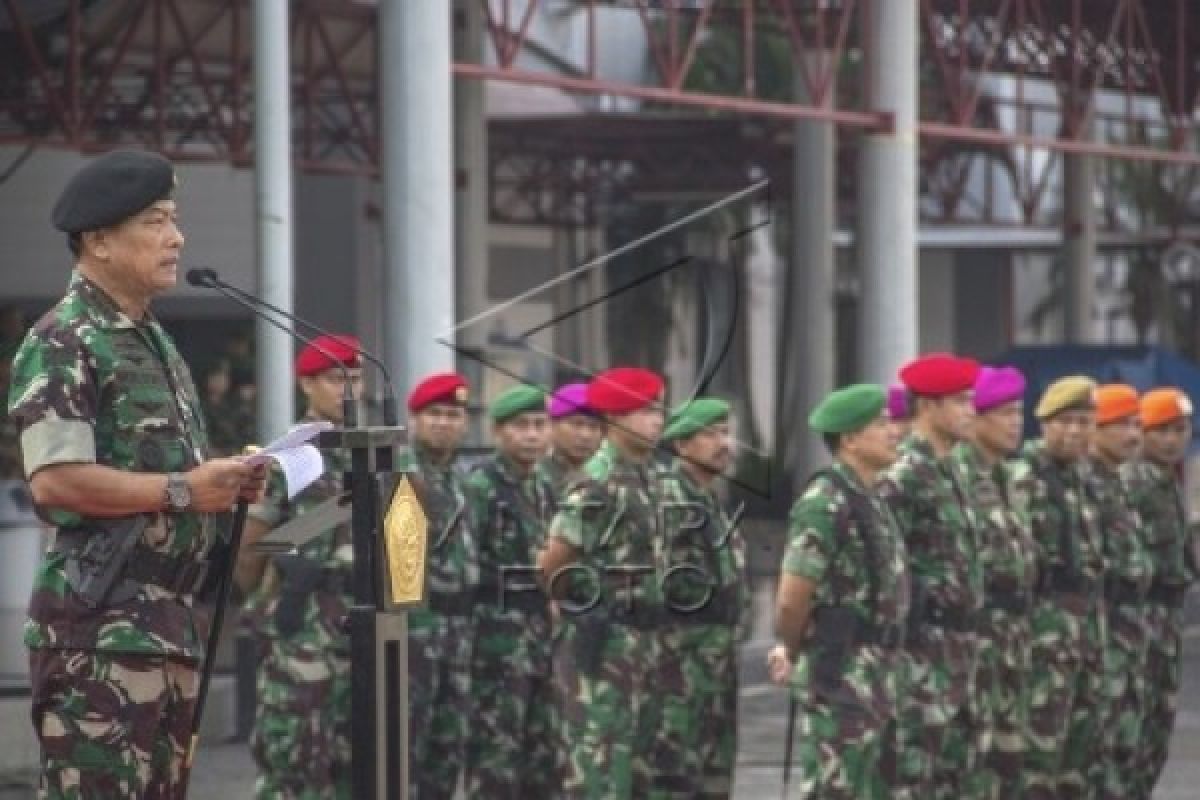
[(1115, 401), (315, 357), (623, 390), (1160, 406), (939, 374), (442, 387)]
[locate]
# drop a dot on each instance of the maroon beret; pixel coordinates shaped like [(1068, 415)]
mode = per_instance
[(313, 359), (442, 387), (622, 390), (939, 374)]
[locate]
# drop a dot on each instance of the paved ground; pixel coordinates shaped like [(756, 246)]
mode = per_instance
[(225, 772)]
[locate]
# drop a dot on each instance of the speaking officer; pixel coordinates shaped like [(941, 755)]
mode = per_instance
[(114, 446)]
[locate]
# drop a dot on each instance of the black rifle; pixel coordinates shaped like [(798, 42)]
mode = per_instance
[(787, 745)]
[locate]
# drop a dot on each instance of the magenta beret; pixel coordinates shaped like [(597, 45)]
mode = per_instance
[(568, 400), (897, 402), (996, 386)]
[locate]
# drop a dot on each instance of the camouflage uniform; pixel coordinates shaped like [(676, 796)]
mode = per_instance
[(301, 735), (512, 747), (937, 732), (611, 707), (1155, 496), (847, 542), (1009, 561), (558, 473), (1129, 571), (10, 443), (1068, 622), (114, 686), (440, 635), (704, 587)]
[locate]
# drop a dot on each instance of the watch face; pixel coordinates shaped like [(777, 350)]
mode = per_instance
[(178, 493)]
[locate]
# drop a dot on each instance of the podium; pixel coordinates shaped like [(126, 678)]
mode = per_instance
[(389, 579)]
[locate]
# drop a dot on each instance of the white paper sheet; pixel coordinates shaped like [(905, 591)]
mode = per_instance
[(300, 461)]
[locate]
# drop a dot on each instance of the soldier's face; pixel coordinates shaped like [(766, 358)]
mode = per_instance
[(710, 448), (141, 255), (1167, 444), (524, 437), (999, 429), (875, 445), (1120, 439), (954, 415), (323, 392), (440, 427), (640, 430), (1068, 434), (577, 436)]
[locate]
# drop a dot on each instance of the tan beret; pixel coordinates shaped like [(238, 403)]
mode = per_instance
[(1066, 394)]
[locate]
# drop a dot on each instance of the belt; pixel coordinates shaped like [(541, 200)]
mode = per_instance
[(1013, 602), (1123, 592), (1166, 594), (178, 575)]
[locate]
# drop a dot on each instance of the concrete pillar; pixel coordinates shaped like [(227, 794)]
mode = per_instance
[(1079, 246), (273, 212), (887, 195), (418, 186)]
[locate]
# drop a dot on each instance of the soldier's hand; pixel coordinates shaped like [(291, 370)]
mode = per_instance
[(779, 666), (256, 486), (217, 484)]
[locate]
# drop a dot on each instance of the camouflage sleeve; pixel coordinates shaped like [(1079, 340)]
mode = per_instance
[(810, 536), (577, 520), (478, 491), (53, 399), (893, 489), (273, 509)]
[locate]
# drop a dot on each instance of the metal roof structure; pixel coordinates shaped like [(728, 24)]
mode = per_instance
[(1018, 82)]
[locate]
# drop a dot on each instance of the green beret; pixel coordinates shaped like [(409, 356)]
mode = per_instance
[(517, 400), (693, 416), (849, 409), (111, 189), (1065, 394)]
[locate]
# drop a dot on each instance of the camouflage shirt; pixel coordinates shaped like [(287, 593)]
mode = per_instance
[(453, 569), (612, 519), (704, 553), (1129, 569), (1007, 554), (10, 443), (1157, 500), (558, 473), (828, 545), (1051, 496), (512, 513), (328, 557), (91, 385)]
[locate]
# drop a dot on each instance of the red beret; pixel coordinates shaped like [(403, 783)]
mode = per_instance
[(622, 390), (939, 374), (312, 361), (443, 387)]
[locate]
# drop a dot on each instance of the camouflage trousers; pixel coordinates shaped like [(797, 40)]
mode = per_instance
[(1000, 705), (513, 744), (1164, 674), (697, 745), (439, 701), (840, 751), (934, 745), (610, 713), (301, 735), (112, 724), (1119, 734), (1064, 698)]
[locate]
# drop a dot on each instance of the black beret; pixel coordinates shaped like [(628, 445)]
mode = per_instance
[(113, 188)]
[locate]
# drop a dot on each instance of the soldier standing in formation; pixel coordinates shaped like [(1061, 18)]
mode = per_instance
[(898, 410), (1049, 491), (1154, 491), (512, 746), (843, 603), (705, 594), (936, 740), (297, 611), (575, 433), (1008, 560), (606, 527), (440, 635), (114, 447)]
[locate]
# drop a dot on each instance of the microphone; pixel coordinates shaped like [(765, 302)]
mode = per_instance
[(204, 276), (207, 278)]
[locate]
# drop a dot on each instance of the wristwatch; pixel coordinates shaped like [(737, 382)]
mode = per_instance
[(179, 494)]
